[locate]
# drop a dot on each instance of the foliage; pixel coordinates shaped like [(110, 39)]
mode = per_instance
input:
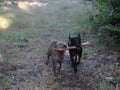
[(5, 2), (6, 81), (107, 22), (116, 80)]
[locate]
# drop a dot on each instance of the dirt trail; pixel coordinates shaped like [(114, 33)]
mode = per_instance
[(53, 19)]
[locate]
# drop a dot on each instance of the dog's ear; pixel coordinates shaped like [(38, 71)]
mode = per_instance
[(56, 44), (69, 37), (79, 35)]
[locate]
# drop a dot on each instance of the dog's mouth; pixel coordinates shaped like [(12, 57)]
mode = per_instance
[(78, 48)]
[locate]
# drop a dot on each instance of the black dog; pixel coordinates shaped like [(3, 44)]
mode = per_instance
[(75, 54)]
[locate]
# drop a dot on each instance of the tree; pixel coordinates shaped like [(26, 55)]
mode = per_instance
[(108, 22)]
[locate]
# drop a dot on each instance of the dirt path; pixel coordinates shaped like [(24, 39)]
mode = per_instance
[(45, 20)]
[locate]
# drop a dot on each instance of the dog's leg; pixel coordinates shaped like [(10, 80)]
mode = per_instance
[(60, 64), (75, 61), (75, 64), (54, 67), (75, 68), (79, 56), (71, 59)]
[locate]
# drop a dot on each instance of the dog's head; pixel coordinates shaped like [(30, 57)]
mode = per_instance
[(75, 41), (61, 44)]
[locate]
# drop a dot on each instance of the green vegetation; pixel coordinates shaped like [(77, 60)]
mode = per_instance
[(107, 23), (6, 81)]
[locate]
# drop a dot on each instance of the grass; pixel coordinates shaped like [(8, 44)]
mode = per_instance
[(69, 22), (46, 84), (50, 83), (6, 81)]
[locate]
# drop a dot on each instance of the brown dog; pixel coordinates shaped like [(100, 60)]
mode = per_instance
[(56, 56)]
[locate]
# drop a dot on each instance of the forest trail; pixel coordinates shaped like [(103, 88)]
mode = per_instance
[(43, 21)]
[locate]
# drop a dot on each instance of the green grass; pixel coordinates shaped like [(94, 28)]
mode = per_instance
[(6, 81)]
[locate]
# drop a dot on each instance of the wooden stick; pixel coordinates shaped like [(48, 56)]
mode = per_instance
[(72, 47), (85, 44)]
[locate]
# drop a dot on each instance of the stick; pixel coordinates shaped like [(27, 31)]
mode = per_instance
[(72, 47), (85, 44)]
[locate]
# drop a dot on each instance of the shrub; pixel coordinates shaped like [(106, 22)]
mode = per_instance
[(108, 22)]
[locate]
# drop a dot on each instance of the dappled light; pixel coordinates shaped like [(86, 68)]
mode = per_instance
[(26, 4), (37, 4), (4, 22), (23, 5)]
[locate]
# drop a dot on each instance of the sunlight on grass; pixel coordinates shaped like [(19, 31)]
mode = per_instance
[(39, 4), (4, 22), (26, 4), (23, 5)]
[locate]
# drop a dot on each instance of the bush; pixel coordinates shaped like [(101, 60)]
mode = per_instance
[(108, 22)]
